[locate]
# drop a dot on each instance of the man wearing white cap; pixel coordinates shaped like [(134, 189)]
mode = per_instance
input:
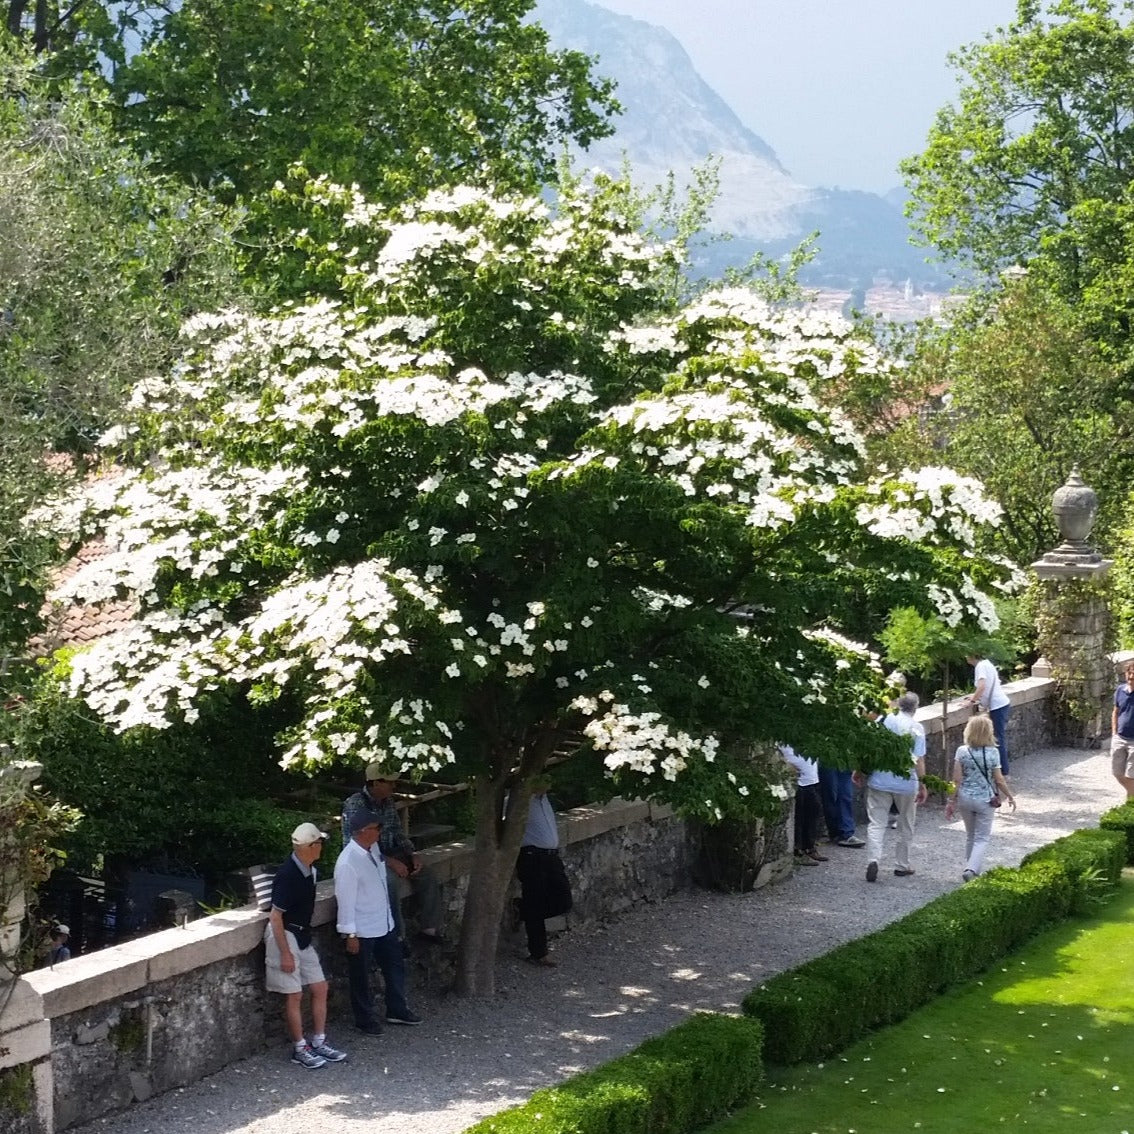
[(292, 962), (407, 874)]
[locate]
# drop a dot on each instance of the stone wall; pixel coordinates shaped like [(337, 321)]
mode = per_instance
[(1031, 724)]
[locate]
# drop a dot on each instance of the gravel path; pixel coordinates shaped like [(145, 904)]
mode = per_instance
[(614, 987)]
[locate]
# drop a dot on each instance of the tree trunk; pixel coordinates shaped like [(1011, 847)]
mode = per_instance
[(16, 9), (496, 847)]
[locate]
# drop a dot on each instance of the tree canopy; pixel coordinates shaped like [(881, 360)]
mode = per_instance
[(491, 498), (1034, 159), (397, 97)]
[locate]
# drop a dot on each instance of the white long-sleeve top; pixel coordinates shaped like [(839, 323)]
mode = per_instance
[(808, 769), (361, 892)]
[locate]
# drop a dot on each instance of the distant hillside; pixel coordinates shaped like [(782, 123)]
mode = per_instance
[(674, 120)]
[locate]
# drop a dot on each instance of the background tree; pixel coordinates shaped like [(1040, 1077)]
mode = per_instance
[(100, 262), (490, 499), (1035, 158), (397, 97), (1017, 393)]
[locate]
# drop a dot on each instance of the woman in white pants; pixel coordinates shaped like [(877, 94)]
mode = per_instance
[(977, 779)]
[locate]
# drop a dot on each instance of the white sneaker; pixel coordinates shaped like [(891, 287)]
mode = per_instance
[(327, 1053), (306, 1056)]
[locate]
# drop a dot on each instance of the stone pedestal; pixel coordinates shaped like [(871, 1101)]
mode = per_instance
[(1074, 632), (1073, 620)]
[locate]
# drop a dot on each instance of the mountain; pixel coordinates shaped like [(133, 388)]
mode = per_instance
[(673, 120)]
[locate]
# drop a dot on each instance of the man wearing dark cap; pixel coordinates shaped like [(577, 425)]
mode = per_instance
[(292, 963), (366, 924), (405, 872)]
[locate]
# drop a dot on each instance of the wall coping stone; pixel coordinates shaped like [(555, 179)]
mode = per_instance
[(21, 1005), (1019, 692)]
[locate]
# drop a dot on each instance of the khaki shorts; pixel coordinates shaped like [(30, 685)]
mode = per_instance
[(307, 969), (1122, 756)]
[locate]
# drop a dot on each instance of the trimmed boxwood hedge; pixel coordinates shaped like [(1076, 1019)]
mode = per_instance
[(822, 1006), (688, 1077), (1121, 819)]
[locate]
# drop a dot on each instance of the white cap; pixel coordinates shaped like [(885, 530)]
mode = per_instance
[(307, 833)]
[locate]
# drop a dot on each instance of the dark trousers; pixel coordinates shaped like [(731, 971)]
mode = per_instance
[(544, 892), (999, 718), (386, 953), (808, 809), (836, 788)]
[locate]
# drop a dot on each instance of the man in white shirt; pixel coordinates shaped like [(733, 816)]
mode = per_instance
[(366, 924), (989, 696), (905, 790)]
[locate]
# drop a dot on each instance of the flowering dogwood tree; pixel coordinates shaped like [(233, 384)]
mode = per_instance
[(492, 499)]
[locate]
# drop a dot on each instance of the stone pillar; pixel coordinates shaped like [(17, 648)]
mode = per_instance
[(1073, 618), (16, 776)]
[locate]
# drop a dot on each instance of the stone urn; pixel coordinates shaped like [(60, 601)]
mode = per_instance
[(1075, 505)]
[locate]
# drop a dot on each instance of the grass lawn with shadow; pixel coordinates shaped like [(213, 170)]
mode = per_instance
[(1043, 1042)]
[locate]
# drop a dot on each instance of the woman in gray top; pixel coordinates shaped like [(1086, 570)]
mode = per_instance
[(976, 780)]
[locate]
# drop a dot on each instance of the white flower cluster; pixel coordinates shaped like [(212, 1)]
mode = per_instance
[(197, 520), (924, 504), (641, 742)]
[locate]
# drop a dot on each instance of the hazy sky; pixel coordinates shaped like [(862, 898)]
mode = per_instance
[(842, 90)]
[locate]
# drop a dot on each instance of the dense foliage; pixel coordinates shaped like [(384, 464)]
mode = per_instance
[(395, 97), (100, 261), (1034, 159)]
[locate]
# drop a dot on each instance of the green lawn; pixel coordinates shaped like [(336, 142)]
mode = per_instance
[(1043, 1042)]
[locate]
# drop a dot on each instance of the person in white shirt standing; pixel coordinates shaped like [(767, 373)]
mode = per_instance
[(808, 807), (905, 790), (366, 924), (989, 697), (544, 889)]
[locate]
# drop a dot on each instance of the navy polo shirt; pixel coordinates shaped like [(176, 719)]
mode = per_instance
[(1124, 701), (293, 894)]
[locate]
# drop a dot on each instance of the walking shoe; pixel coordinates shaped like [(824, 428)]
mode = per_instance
[(545, 961), (872, 872), (327, 1053), (373, 1028), (851, 841), (815, 856), (305, 1056), (968, 875), (903, 871), (802, 859), (408, 1018)]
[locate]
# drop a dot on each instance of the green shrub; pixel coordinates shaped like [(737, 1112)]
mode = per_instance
[(1103, 848), (1121, 819), (692, 1075), (198, 796)]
